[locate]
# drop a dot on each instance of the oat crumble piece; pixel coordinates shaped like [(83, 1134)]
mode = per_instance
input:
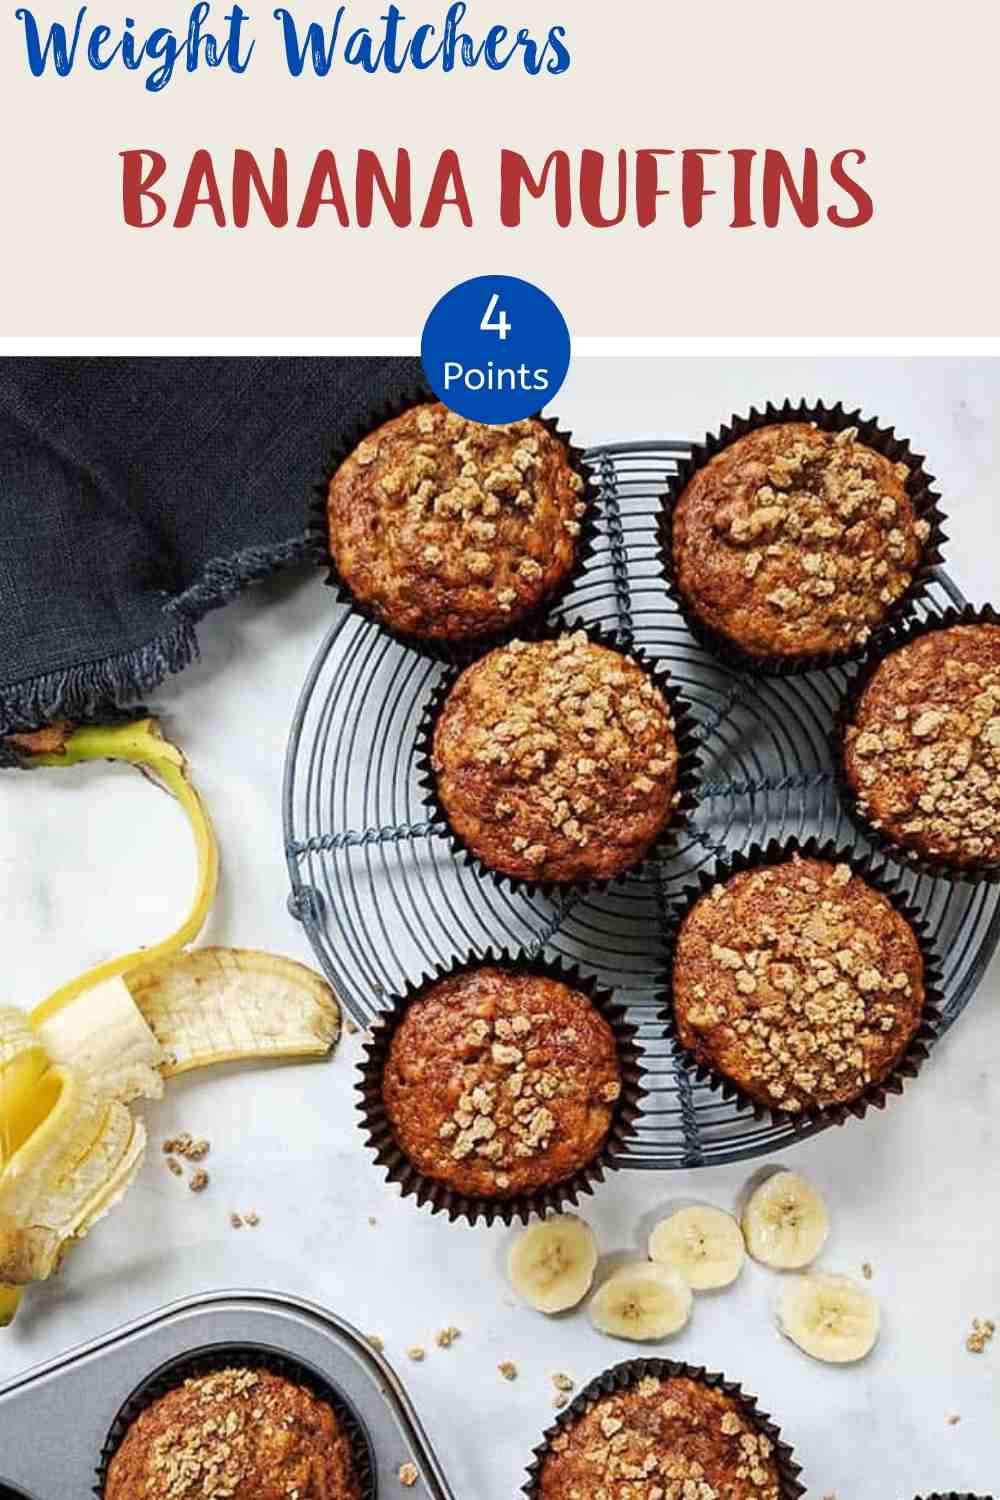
[(983, 1330), (198, 1181), (376, 1342), (408, 1474), (236, 1221), (416, 1353), (447, 1337), (866, 1271), (508, 1369), (173, 1165)]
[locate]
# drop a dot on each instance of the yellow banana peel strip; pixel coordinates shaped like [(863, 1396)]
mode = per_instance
[(71, 1169), (216, 1005), (140, 744), (103, 1036)]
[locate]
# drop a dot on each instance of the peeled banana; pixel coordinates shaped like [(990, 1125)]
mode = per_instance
[(831, 1317), (785, 1222), (551, 1264), (641, 1302), (69, 1145), (703, 1243)]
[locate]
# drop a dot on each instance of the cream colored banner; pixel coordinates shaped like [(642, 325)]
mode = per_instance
[(911, 86)]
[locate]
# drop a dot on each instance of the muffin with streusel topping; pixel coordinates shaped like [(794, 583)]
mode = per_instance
[(921, 748), (235, 1431), (450, 531), (499, 1083), (798, 982), (556, 760), (793, 542), (674, 1436)]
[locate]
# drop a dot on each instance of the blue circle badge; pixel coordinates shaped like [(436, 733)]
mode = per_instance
[(495, 349)]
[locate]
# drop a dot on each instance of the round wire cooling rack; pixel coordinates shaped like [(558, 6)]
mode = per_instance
[(383, 899)]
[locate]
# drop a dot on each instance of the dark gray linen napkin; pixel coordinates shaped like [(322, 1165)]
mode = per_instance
[(137, 494)]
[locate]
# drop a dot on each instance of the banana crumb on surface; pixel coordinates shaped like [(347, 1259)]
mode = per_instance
[(447, 1337), (508, 1369), (416, 1353), (983, 1330), (408, 1474), (377, 1344)]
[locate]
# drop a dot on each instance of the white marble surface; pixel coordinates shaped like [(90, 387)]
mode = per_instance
[(95, 862)]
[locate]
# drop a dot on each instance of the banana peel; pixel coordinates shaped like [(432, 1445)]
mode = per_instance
[(69, 1145)]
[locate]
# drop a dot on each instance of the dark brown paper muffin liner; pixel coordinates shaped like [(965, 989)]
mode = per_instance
[(213, 1357), (876, 1094), (318, 538), (919, 487), (900, 854), (441, 1198), (688, 766), (622, 1377)]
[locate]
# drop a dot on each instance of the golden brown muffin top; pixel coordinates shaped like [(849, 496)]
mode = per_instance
[(448, 528), (236, 1432), (499, 1084), (799, 982), (556, 760), (793, 541), (670, 1438), (923, 752)]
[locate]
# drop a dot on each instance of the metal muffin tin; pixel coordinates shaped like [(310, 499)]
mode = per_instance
[(45, 1456)]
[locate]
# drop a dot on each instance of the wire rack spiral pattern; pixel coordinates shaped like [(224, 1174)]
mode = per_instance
[(382, 897)]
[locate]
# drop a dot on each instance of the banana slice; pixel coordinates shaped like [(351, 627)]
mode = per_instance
[(831, 1317), (551, 1265), (70, 1170), (218, 1005), (703, 1243), (641, 1302), (103, 1036), (785, 1222)]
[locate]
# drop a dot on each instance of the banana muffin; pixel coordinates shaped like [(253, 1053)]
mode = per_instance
[(556, 760), (922, 750), (670, 1436), (798, 982), (794, 542), (451, 531), (236, 1431), (500, 1084)]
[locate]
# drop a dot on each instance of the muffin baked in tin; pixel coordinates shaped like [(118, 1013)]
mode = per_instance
[(451, 532), (796, 534), (800, 984), (558, 760), (921, 745), (221, 1424), (664, 1428)]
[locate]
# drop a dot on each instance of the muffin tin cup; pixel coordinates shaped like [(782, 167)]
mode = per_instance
[(923, 864), (438, 1196), (623, 1376), (688, 769), (919, 487), (907, 1067), (451, 652), (207, 1361)]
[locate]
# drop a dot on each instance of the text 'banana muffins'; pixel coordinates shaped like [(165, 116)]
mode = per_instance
[(235, 1432), (795, 542), (675, 1437), (797, 982), (922, 754), (556, 760), (449, 530), (501, 1084)]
